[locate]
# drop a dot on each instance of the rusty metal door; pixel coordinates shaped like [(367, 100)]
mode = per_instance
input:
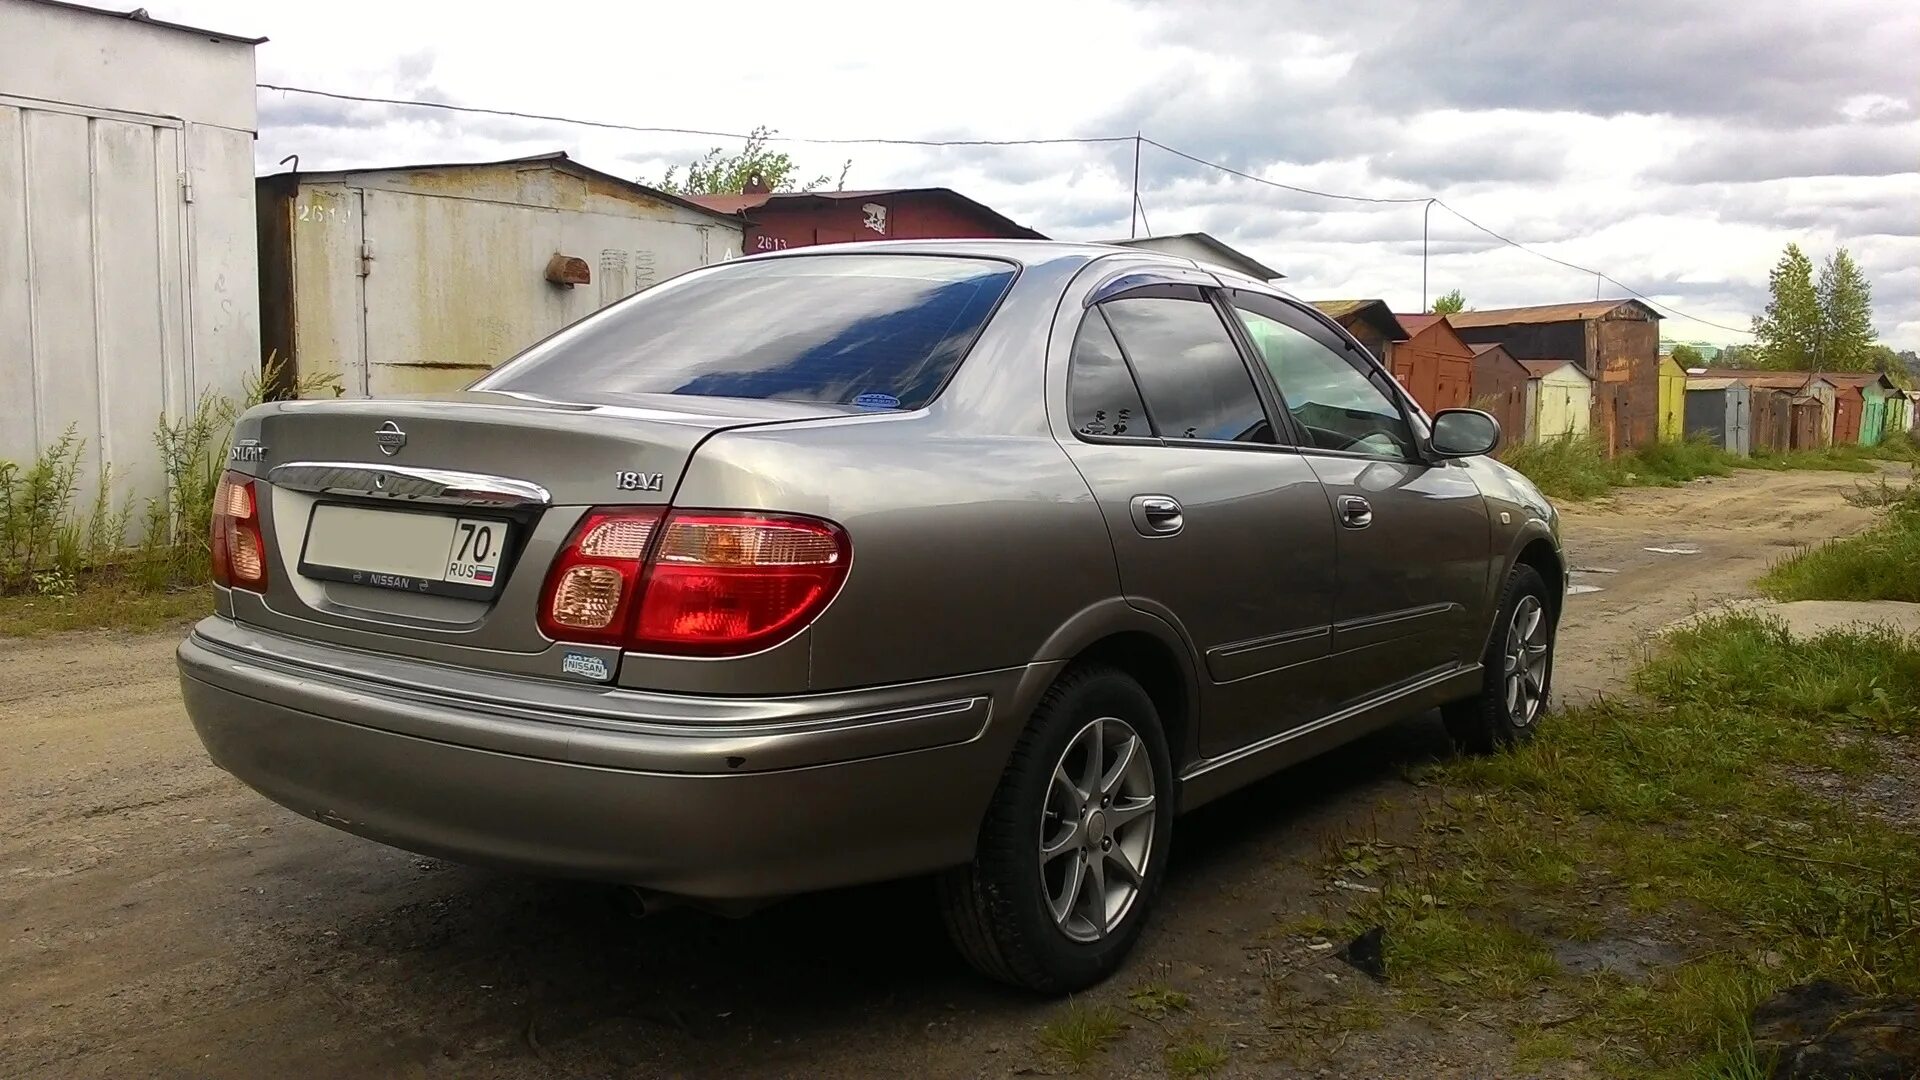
[(1806, 425)]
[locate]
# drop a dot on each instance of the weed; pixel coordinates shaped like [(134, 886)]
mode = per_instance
[(1882, 563), (1155, 1000), (1195, 1057), (37, 504), (49, 546), (1574, 467), (1625, 816), (1577, 467), (1081, 1032), (1535, 1048)]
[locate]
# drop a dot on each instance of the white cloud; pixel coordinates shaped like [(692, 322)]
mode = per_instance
[(1676, 148)]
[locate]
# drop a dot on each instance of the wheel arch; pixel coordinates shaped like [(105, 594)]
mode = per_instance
[(1142, 645)]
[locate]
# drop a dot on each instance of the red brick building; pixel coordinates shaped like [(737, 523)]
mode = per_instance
[(785, 219)]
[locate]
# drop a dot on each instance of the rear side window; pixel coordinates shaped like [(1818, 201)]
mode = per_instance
[(1189, 369), (882, 331), (1102, 396)]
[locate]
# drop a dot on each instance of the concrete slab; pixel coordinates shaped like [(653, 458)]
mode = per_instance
[(1807, 618)]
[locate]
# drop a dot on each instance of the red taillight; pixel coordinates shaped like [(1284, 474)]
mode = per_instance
[(239, 552), (595, 581), (705, 583)]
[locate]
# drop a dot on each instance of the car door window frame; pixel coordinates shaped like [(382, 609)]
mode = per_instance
[(1279, 421), (1297, 316)]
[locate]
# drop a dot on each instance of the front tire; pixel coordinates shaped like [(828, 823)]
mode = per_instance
[(1075, 843), (1517, 669)]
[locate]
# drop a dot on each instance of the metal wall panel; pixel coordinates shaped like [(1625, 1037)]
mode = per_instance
[(418, 282), (91, 312), (224, 272), (62, 350), (19, 413), (127, 285)]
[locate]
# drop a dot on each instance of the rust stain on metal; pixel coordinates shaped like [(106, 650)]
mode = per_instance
[(568, 270)]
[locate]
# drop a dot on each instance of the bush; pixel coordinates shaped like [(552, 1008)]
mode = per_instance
[(1569, 467), (1577, 467)]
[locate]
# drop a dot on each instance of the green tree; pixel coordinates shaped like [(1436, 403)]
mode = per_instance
[(1450, 304), (1846, 315), (1788, 333), (1736, 356), (1893, 365), (719, 173), (1686, 355)]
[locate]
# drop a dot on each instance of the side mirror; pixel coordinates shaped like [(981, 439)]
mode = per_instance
[(1464, 433)]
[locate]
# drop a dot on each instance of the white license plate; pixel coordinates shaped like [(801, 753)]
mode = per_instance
[(417, 552)]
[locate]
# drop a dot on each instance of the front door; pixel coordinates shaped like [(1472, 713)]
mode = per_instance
[(1413, 538), (1217, 526)]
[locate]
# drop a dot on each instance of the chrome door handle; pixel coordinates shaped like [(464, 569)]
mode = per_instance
[(1355, 512), (1157, 515)]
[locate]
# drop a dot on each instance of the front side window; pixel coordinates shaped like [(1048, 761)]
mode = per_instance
[(1333, 402), (1190, 371), (878, 331)]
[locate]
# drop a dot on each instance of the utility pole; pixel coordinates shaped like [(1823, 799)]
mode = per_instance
[(1133, 208), (1425, 213)]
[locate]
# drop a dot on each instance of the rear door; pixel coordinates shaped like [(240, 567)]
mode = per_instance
[(1414, 544), (1217, 525)]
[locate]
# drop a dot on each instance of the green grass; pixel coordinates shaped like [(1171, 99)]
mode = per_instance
[(1195, 1057), (1578, 468), (1625, 819), (1569, 468), (1882, 563), (103, 606), (1832, 459), (1081, 1033)]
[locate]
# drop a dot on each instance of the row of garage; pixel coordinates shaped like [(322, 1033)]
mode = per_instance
[(1594, 370)]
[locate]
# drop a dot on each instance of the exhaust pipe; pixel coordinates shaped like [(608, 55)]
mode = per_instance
[(642, 902)]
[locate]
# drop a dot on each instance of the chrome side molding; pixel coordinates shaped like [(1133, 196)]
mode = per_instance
[(409, 484)]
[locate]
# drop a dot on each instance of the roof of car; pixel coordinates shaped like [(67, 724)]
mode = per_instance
[(1023, 252)]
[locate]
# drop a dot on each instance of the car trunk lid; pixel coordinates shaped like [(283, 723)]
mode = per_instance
[(425, 527)]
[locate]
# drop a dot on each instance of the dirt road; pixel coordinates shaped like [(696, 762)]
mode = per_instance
[(157, 918)]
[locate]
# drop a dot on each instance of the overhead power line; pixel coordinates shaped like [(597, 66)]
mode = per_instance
[(1589, 270), (1082, 140), (1278, 184), (647, 130)]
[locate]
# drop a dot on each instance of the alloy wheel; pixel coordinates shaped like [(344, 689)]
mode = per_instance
[(1097, 831), (1528, 639)]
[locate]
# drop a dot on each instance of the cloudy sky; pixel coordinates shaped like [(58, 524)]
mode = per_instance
[(1676, 146)]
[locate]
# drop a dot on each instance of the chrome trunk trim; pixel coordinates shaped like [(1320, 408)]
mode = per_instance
[(408, 484)]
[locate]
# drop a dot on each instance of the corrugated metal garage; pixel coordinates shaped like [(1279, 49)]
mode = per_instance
[(1721, 411), (1673, 399), (126, 231), (1563, 399), (1371, 322), (421, 278), (1616, 342), (1504, 387), (1433, 363)]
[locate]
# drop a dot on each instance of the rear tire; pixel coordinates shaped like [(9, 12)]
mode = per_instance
[(1517, 671), (1075, 842)]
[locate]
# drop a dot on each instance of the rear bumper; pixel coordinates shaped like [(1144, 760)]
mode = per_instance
[(720, 798)]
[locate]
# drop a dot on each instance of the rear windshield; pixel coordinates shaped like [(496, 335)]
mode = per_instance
[(879, 331)]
